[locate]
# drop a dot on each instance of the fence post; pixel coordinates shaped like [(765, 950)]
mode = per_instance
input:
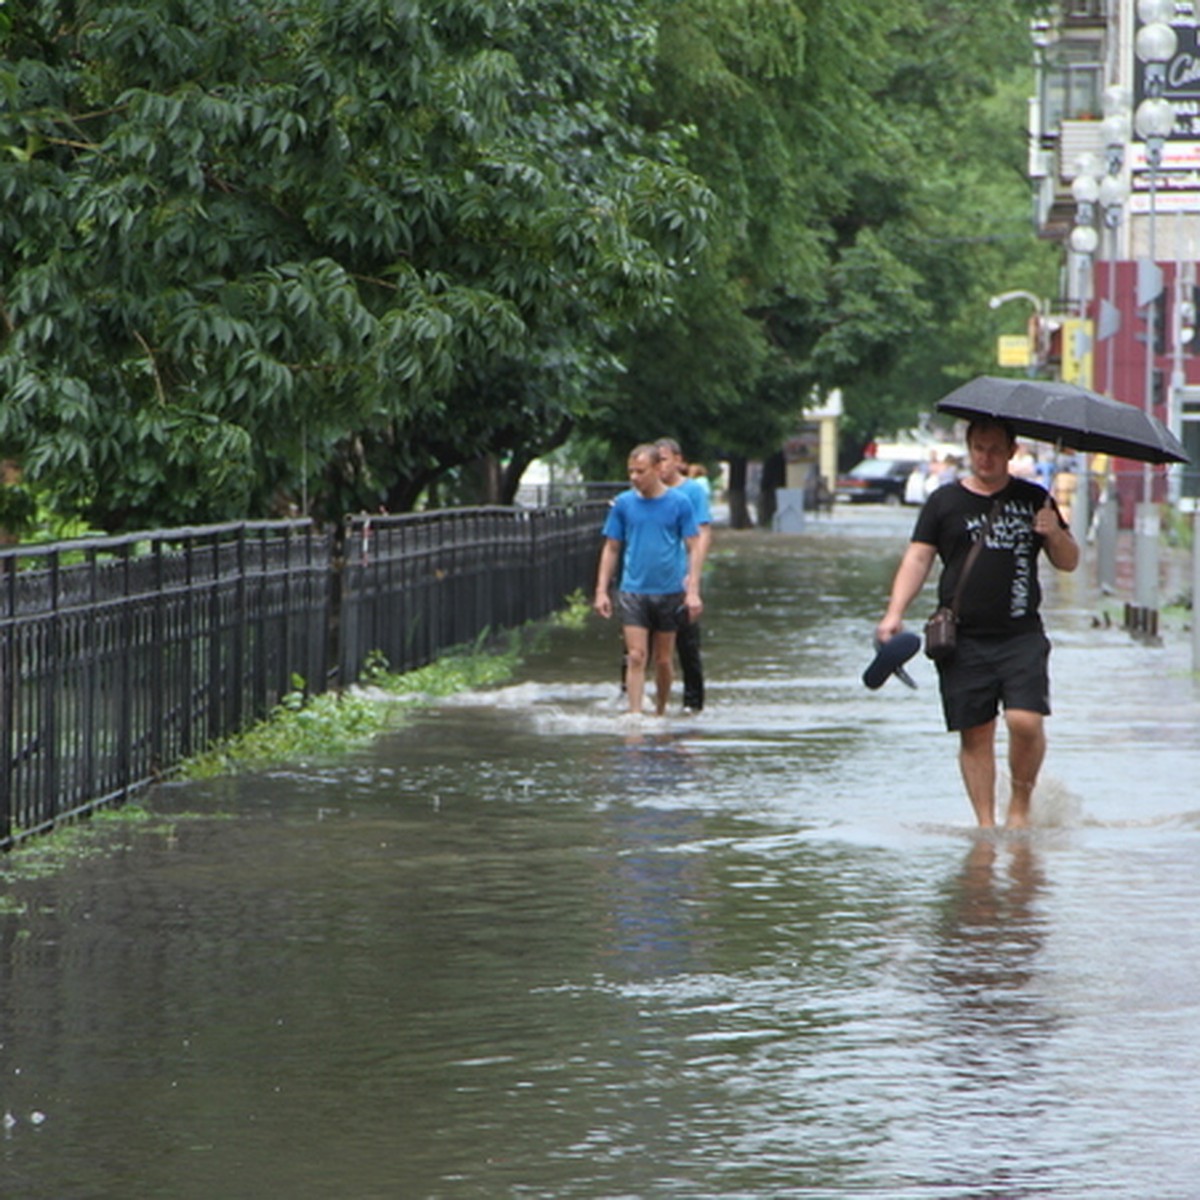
[(216, 680), (238, 716), (159, 655), (8, 671), (125, 721), (343, 617)]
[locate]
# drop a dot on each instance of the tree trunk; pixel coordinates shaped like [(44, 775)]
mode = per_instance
[(739, 508), (774, 475), (491, 479), (510, 480)]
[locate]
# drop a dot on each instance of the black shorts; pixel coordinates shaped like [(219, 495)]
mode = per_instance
[(987, 672), (659, 614)]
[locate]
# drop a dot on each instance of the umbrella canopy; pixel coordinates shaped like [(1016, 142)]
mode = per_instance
[(1071, 416)]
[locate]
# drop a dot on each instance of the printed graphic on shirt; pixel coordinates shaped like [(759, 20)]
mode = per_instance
[(1012, 531)]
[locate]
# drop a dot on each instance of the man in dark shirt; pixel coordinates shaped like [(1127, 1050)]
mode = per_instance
[(687, 639), (1003, 654)]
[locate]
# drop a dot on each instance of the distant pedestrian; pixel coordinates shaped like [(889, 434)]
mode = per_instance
[(676, 474), (699, 472), (651, 531)]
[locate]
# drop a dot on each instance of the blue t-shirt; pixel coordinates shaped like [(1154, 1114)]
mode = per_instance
[(698, 498), (697, 492), (652, 533)]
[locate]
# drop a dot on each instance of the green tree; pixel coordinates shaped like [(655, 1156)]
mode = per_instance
[(250, 252), (871, 195)]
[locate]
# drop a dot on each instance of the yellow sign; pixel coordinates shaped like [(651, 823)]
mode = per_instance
[(1012, 350), (1077, 351)]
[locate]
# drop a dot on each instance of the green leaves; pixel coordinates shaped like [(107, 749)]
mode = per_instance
[(869, 194), (241, 241), (332, 251)]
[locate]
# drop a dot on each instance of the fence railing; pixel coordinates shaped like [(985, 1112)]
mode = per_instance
[(120, 657)]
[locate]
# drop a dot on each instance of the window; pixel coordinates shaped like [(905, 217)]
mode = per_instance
[(1071, 87)]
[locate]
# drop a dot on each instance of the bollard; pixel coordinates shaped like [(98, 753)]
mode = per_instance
[(1145, 544), (1081, 504), (1141, 621), (1196, 589), (1106, 543)]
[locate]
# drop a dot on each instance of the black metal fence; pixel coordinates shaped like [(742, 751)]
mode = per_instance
[(414, 585), (120, 657)]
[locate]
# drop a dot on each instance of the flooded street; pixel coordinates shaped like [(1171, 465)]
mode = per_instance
[(525, 947)]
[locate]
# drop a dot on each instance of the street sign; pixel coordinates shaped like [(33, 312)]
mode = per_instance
[(1012, 350), (1077, 351)]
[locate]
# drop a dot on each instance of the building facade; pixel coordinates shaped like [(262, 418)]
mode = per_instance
[(1114, 160)]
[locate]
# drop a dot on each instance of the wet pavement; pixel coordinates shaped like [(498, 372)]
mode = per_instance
[(527, 947)]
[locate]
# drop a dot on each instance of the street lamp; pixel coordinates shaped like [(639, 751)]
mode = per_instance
[(1086, 190), (1116, 128), (1015, 294), (1154, 120), (1113, 194), (1038, 322), (1155, 46), (1083, 241)]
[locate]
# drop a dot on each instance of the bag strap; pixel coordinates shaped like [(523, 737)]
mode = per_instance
[(973, 554)]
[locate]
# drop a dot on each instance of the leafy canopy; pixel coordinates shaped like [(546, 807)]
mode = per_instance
[(251, 249), (329, 253), (868, 162)]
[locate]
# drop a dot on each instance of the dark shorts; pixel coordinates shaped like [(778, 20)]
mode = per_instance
[(659, 614), (988, 672)]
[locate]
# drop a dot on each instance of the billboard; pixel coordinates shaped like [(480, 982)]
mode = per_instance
[(1177, 182)]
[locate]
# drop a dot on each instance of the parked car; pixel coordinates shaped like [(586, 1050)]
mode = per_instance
[(876, 481)]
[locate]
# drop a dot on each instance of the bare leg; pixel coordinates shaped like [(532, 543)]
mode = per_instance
[(977, 761), (1026, 752), (637, 649), (664, 671)]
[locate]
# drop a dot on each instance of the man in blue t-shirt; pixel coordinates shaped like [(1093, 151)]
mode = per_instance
[(655, 528)]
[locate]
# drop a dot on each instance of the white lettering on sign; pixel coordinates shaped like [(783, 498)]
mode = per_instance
[(1184, 69)]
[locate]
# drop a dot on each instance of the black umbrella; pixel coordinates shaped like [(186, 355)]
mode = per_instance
[(1052, 411)]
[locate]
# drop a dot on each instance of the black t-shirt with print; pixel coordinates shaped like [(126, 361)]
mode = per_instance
[(1002, 593)]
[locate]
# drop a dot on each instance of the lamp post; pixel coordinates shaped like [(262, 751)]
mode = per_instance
[(1038, 322), (1113, 193), (1154, 120), (1083, 240), (1015, 294), (1117, 127)]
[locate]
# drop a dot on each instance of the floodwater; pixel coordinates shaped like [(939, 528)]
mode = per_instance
[(526, 948)]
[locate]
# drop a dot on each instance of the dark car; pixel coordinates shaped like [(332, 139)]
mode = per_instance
[(876, 480)]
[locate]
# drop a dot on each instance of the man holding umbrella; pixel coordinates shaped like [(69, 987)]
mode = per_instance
[(1002, 653)]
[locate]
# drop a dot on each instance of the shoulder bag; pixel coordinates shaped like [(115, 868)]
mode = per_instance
[(941, 630)]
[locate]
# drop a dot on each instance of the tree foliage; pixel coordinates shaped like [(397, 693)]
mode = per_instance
[(333, 252), (247, 247), (871, 196)]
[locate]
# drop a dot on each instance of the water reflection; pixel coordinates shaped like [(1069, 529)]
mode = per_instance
[(990, 936), (657, 894)]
